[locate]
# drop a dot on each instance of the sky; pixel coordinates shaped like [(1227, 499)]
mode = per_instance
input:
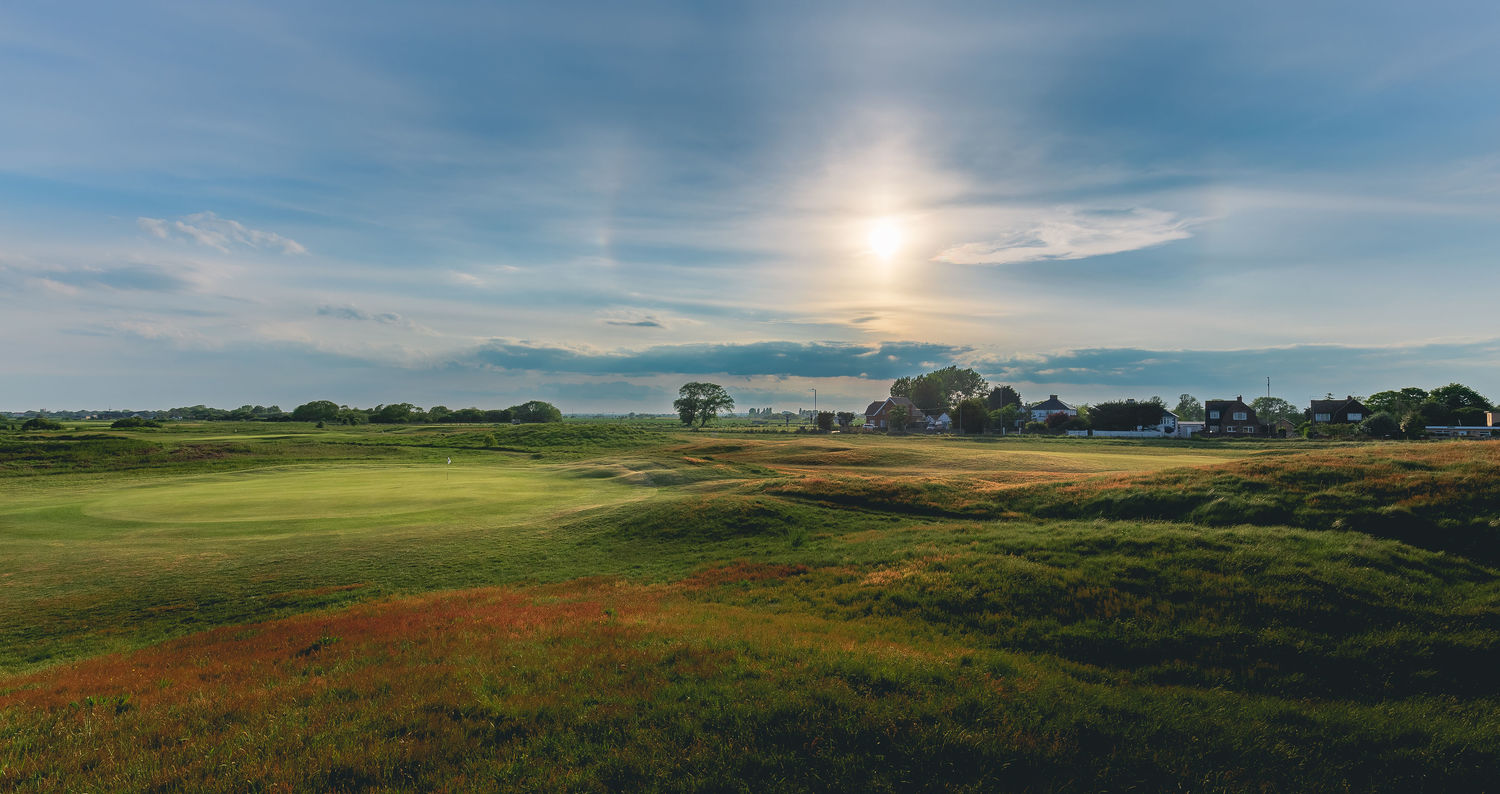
[(592, 203)]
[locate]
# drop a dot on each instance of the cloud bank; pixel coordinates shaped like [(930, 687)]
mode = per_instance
[(887, 360)]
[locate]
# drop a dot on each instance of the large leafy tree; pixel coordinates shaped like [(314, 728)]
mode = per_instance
[(315, 411), (973, 414), (941, 388), (535, 411), (1456, 397), (700, 402), (1189, 408), (1125, 414), (1001, 396), (1396, 401), (1273, 409)]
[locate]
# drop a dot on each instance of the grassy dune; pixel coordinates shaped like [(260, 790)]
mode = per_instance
[(595, 607)]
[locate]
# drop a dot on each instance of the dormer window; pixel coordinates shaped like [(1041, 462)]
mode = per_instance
[(1240, 416)]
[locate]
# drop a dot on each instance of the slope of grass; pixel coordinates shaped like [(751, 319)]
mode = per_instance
[(685, 612), (601, 685)]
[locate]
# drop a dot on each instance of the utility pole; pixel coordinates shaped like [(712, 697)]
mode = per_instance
[(1268, 387), (815, 402)]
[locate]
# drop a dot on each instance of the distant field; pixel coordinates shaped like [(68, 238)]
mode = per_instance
[(598, 605)]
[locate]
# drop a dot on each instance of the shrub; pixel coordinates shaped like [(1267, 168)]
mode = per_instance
[(40, 423), (132, 422), (1381, 425)]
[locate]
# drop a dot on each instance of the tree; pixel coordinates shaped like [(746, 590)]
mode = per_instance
[(973, 415), (1056, 421), (701, 402), (40, 423), (1001, 396), (927, 394), (940, 388), (897, 418), (1005, 418), (1381, 425), (825, 421), (535, 411), (1189, 408), (393, 414), (1270, 410), (846, 418), (1457, 396), (1126, 414), (128, 422), (1398, 402), (315, 411)]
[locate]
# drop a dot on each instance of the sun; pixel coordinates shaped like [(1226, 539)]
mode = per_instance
[(884, 238)]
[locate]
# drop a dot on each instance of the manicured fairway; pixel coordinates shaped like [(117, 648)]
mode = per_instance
[(77, 555)]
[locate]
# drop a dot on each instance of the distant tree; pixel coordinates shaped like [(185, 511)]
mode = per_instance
[(927, 394), (1457, 396), (973, 414), (825, 420), (1001, 396), (897, 418), (128, 422), (941, 388), (438, 413), (1056, 421), (351, 416), (40, 423), (535, 411), (1270, 410), (1434, 413), (393, 414), (501, 416), (1189, 408), (316, 411), (1399, 402), (701, 402), (1035, 427), (1381, 425), (846, 418), (1125, 414)]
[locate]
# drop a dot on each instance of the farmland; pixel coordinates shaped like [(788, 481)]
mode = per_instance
[(596, 606)]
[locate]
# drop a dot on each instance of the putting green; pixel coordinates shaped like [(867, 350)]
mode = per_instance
[(337, 492)]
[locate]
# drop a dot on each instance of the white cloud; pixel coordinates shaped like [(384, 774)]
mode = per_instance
[(1068, 233), (209, 229)]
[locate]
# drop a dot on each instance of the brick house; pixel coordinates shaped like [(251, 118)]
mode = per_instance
[(877, 414), (1230, 418), (1347, 411)]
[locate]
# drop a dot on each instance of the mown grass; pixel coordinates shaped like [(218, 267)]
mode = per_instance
[(685, 612)]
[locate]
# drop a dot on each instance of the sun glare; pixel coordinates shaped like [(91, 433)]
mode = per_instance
[(884, 238)]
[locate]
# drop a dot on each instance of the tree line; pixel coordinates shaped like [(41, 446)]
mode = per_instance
[(325, 411)]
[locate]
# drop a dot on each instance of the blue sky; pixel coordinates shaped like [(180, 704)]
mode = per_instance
[(591, 203)]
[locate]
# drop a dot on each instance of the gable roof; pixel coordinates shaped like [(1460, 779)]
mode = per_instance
[(1051, 404), (1334, 407), (874, 407)]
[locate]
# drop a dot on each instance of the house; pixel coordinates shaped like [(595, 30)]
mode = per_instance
[(939, 423), (1230, 418), (877, 414), (1347, 411), (1040, 411)]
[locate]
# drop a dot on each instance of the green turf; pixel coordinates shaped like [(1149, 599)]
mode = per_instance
[(784, 611)]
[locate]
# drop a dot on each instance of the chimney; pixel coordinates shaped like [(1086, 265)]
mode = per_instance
[(1239, 398), (1054, 396)]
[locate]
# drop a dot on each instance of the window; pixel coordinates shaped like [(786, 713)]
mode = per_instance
[(1322, 417), (1354, 417), (1213, 414), (1239, 416)]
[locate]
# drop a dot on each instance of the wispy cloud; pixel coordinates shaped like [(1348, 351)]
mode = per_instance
[(787, 359), (206, 228), (1068, 233), (393, 319)]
